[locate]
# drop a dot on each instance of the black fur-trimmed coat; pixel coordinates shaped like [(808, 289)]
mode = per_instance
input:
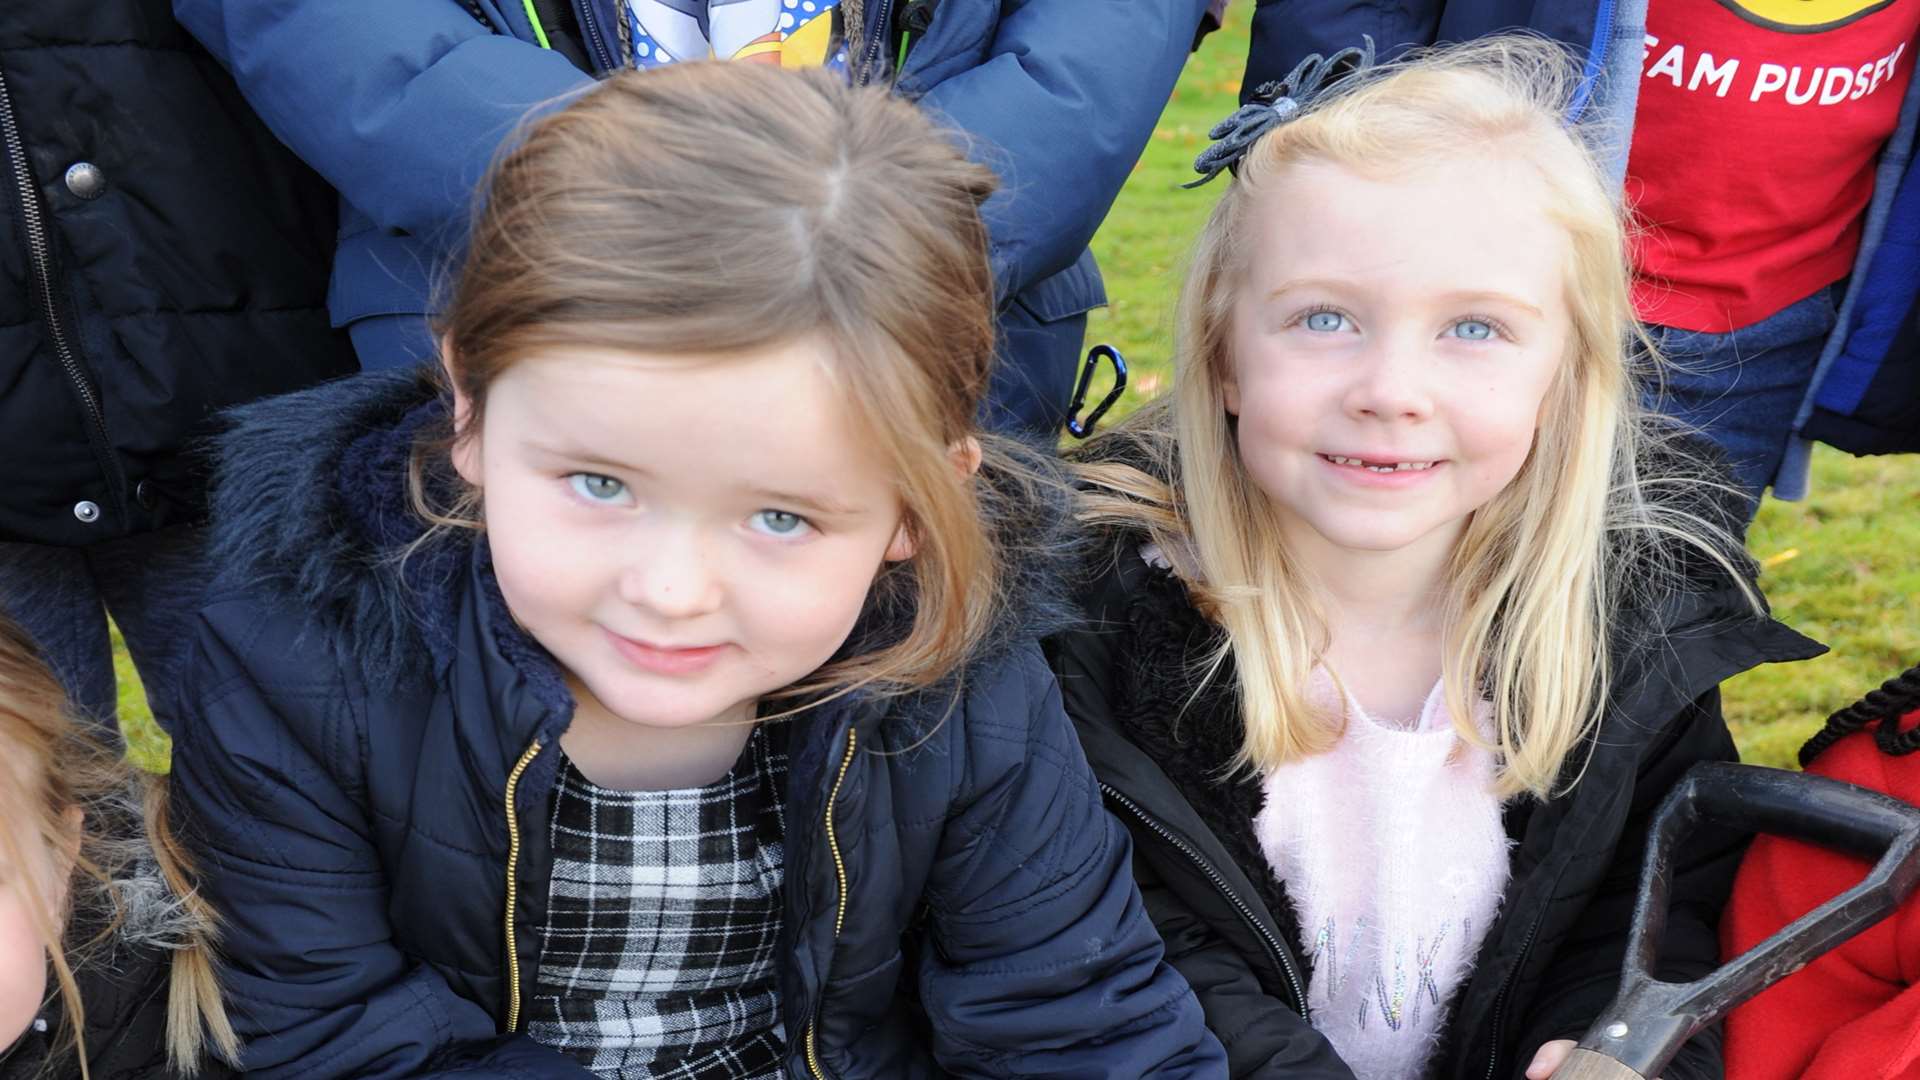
[(123, 970), (1161, 744)]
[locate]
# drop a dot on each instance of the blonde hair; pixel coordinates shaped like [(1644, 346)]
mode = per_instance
[(1542, 566), (123, 868), (708, 209)]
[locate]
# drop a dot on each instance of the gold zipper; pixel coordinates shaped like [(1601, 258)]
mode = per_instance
[(840, 911), (513, 885)]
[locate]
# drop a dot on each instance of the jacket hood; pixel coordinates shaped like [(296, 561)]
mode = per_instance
[(312, 507)]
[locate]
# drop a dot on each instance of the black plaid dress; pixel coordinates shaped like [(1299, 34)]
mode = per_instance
[(663, 924)]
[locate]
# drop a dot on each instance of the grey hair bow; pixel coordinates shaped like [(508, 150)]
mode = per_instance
[(1276, 103)]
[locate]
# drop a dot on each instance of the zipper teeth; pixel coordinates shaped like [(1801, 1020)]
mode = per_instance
[(513, 885), (585, 11), (41, 253), (873, 44), (1500, 999), (1279, 952), (840, 910)]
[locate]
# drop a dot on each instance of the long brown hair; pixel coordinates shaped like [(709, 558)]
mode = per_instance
[(707, 209), (118, 851)]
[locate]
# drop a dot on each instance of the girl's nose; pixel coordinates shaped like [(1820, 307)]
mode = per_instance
[(1391, 384), (674, 580)]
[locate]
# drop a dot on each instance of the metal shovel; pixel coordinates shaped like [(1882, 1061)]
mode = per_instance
[(1649, 1020)]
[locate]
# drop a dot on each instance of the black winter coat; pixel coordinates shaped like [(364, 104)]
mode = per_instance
[(367, 772), (1550, 962), (162, 256), (123, 984), (126, 1026)]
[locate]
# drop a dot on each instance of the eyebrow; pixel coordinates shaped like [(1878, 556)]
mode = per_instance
[(820, 505), (1457, 296), (584, 456)]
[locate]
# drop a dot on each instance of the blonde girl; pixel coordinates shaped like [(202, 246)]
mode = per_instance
[(650, 691), (106, 965), (1405, 616)]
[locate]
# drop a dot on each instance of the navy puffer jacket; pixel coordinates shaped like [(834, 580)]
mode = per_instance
[(367, 770), (1057, 98)]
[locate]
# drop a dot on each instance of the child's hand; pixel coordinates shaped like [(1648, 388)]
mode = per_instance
[(1548, 1059)]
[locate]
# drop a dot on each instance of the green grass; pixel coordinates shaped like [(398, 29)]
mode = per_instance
[(1842, 564)]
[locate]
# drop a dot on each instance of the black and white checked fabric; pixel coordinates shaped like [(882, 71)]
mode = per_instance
[(663, 925)]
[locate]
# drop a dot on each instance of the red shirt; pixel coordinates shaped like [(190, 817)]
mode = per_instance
[(1754, 146)]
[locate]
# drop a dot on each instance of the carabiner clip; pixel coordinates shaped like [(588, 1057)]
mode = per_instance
[(1075, 426)]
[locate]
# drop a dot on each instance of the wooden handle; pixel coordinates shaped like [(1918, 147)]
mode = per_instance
[(1587, 1065)]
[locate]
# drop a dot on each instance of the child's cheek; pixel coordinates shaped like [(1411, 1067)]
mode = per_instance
[(23, 969), (813, 611)]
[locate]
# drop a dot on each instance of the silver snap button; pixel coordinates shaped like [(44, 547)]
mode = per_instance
[(1617, 1030), (85, 179), (87, 511)]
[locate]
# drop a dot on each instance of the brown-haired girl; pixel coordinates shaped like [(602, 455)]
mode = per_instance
[(106, 967), (657, 696)]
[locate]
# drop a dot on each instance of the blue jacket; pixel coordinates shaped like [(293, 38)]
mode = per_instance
[(367, 770), (1865, 393), (402, 106)]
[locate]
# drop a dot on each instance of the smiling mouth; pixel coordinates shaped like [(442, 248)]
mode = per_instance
[(1380, 466), (665, 660)]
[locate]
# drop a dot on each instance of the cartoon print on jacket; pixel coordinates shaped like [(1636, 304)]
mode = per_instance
[(791, 33)]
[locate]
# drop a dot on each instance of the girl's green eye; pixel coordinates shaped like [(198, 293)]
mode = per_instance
[(1326, 321), (1473, 330), (594, 487), (779, 523)]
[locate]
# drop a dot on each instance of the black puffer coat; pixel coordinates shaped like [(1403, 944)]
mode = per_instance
[(1552, 959), (162, 257)]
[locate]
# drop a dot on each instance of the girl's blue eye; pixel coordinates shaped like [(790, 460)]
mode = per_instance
[(1474, 330), (1326, 321), (594, 487), (779, 523)]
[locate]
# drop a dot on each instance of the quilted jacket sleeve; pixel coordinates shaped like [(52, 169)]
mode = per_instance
[(399, 105), (1264, 1038), (1060, 107), (266, 767), (1043, 961)]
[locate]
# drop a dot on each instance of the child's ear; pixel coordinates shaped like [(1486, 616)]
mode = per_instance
[(466, 441), (966, 455), (1230, 392), (902, 546)]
